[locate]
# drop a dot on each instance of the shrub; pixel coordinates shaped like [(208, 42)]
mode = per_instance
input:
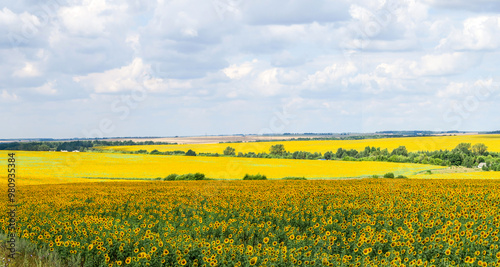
[(428, 172), (389, 175), (170, 177), (254, 177), (401, 176), (188, 176), (190, 153), (293, 178), (155, 152), (374, 176), (199, 176)]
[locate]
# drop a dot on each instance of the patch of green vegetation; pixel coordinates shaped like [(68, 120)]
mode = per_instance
[(293, 178), (254, 177)]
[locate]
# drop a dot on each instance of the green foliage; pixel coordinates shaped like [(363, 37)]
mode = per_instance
[(329, 155), (229, 151), (479, 149), (183, 177), (463, 148), (190, 153), (375, 176), (401, 176), (254, 177), (428, 172), (292, 178), (80, 145), (400, 151), (155, 152), (170, 177), (278, 149), (389, 175)]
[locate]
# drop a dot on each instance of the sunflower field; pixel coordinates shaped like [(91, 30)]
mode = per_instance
[(412, 144), (368, 222)]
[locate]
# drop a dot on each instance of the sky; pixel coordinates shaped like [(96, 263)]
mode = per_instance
[(91, 69)]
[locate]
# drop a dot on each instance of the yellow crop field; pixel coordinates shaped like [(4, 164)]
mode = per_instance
[(371, 222), (459, 175), (54, 167), (412, 144)]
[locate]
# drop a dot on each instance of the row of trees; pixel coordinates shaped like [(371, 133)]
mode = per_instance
[(463, 154), (71, 145)]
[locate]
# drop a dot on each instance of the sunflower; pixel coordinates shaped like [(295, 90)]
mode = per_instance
[(266, 239), (253, 261)]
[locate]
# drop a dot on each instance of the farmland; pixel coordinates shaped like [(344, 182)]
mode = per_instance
[(374, 222), (107, 209), (412, 144), (54, 167)]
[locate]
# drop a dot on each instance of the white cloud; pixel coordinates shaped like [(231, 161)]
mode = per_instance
[(29, 70), (453, 89), (446, 64), (430, 65), (239, 71), (332, 74), (335, 56), (91, 17), (7, 97), (134, 76), (46, 89), (478, 33), (482, 89), (15, 28)]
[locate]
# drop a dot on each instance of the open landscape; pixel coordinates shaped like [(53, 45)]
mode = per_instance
[(110, 206), (231, 133)]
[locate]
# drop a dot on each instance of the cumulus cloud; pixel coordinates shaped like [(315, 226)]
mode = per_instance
[(7, 97), (134, 76), (331, 75), (16, 28), (370, 65), (478, 33), (46, 89), (29, 70), (239, 71), (431, 65)]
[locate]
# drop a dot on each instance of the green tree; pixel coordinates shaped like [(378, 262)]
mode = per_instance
[(463, 148), (479, 149), (229, 151), (190, 153), (328, 155), (400, 151), (278, 149), (340, 153)]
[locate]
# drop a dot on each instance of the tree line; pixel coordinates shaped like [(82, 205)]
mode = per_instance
[(463, 154), (72, 145)]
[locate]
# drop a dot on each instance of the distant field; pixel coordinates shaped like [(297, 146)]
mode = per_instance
[(57, 167), (459, 175), (430, 143), (223, 138)]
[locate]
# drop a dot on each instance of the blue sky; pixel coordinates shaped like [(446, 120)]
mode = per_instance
[(164, 68)]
